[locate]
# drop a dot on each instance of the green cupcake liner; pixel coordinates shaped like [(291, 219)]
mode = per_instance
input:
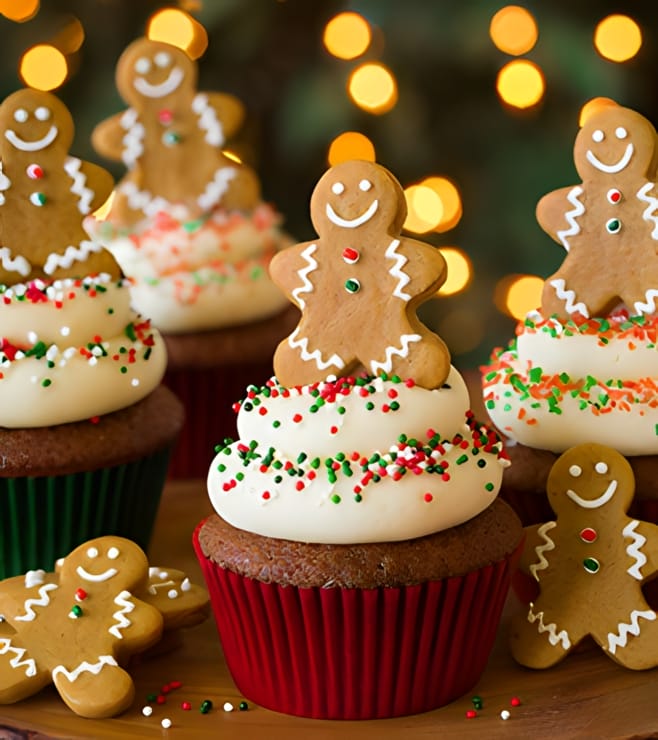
[(44, 518)]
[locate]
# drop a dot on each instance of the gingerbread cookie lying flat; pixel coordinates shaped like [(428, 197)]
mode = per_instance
[(171, 139), (359, 284), (609, 223), (45, 194), (590, 564), (75, 627)]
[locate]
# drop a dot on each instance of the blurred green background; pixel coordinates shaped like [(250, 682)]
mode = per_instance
[(449, 119)]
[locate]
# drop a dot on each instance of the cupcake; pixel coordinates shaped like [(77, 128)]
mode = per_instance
[(358, 559), (189, 228), (582, 368), (85, 426)]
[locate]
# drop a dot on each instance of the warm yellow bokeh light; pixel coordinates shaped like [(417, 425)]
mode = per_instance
[(43, 67), (593, 106), (520, 84), (617, 38), (460, 271), (462, 330), (373, 88), (232, 156), (179, 29), (424, 209), (102, 212), (513, 30), (70, 38), (450, 199), (19, 10), (350, 145), (347, 35), (518, 294)]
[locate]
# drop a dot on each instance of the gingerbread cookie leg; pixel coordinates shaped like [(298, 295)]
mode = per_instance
[(20, 675), (310, 363), (421, 355), (633, 642), (537, 640), (96, 689), (565, 295)]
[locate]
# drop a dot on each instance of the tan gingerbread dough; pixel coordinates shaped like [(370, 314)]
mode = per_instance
[(76, 627), (609, 223), (45, 194), (171, 139), (358, 285), (590, 564)]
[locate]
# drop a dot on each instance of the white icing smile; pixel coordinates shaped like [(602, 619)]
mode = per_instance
[(596, 502), (611, 168), (96, 578), (353, 222), (31, 146), (164, 88)]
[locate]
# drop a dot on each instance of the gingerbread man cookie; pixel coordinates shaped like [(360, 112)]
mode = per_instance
[(590, 564), (609, 223), (45, 194), (171, 139), (359, 284), (74, 628)]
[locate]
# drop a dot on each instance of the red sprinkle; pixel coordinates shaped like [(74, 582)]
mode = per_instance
[(428, 497), (471, 714), (515, 701), (160, 699), (186, 705), (80, 594)]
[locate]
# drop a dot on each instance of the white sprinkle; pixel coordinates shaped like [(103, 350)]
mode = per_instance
[(505, 714), (65, 331), (185, 585), (93, 360), (32, 337), (134, 382), (228, 707), (147, 711), (97, 351), (166, 723)]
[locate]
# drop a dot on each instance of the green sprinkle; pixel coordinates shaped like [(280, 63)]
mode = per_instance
[(370, 405), (276, 424), (535, 374), (123, 369), (358, 498), (482, 463), (341, 410), (335, 498), (489, 486)]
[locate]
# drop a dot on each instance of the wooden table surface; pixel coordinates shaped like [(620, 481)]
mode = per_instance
[(586, 696)]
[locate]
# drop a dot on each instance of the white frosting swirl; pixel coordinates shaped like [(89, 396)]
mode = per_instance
[(356, 460), (73, 349), (559, 384)]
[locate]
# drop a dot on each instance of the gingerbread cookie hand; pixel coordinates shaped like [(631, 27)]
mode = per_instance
[(359, 285), (590, 564), (608, 224)]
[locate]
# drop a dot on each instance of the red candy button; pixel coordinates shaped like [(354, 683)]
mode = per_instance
[(588, 534), (350, 255)]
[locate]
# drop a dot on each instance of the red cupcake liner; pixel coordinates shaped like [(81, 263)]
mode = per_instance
[(335, 653)]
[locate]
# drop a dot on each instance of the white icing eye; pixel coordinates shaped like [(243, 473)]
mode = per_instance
[(21, 115), (162, 59), (575, 471), (601, 468), (598, 136), (337, 188), (621, 133), (113, 553), (365, 185), (92, 552), (143, 65), (163, 575), (42, 113)]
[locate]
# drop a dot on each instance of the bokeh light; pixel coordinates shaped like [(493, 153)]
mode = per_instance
[(520, 84), (450, 200), (70, 38), (593, 106), (460, 271), (424, 209), (513, 30), (462, 330), (43, 67), (347, 35), (179, 29), (232, 156), (515, 295), (350, 145), (19, 10), (617, 38), (101, 213), (373, 87)]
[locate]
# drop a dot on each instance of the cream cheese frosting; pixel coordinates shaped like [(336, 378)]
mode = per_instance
[(206, 273), (561, 383), (73, 349), (353, 460)]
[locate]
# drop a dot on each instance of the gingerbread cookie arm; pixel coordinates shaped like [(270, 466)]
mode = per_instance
[(424, 267), (91, 183), (291, 271), (534, 539), (107, 138), (641, 540), (559, 212), (228, 109)]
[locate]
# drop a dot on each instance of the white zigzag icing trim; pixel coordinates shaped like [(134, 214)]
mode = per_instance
[(17, 661), (571, 216), (208, 120), (43, 600), (651, 211), (5, 184), (629, 628), (541, 549), (553, 635), (79, 187), (123, 600), (396, 270), (307, 285), (133, 140), (568, 296), (71, 255), (402, 351), (633, 550), (84, 667), (216, 188), (650, 302), (316, 355), (14, 264)]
